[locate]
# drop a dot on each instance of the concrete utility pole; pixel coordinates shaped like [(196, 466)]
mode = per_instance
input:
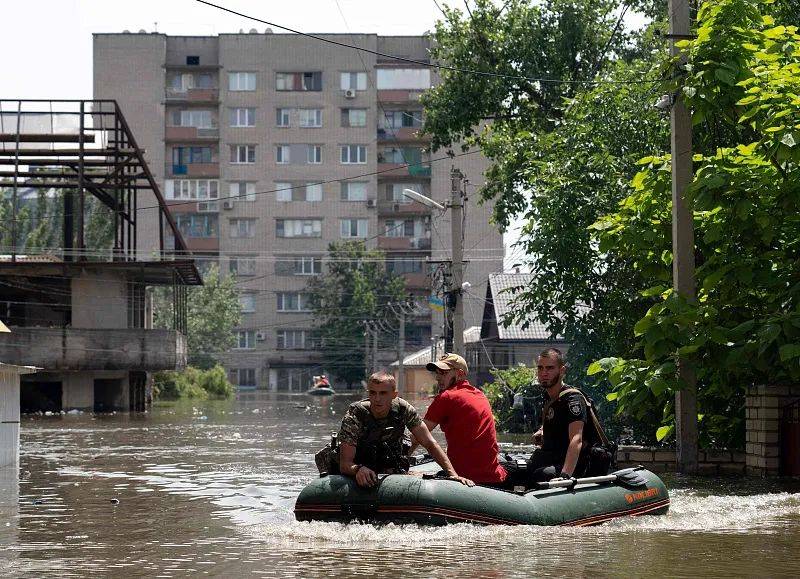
[(683, 243), (457, 278), (401, 350), (366, 351)]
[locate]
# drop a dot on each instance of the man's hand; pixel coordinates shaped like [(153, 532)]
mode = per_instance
[(462, 480), (366, 477), (537, 437)]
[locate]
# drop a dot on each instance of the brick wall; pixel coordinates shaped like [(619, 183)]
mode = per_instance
[(709, 462), (763, 406)]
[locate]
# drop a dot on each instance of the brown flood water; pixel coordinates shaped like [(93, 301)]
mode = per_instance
[(208, 488)]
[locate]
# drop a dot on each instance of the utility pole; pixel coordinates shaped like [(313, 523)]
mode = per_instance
[(366, 351), (401, 350), (682, 243), (455, 300)]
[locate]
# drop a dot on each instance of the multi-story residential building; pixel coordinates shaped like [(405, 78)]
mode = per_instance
[(271, 146)]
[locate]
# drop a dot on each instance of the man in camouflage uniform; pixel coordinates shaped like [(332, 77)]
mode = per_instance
[(372, 434)]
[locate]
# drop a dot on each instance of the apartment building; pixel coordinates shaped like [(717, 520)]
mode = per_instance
[(271, 146)]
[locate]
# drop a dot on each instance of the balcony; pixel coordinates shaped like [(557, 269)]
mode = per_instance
[(193, 95), (402, 134), (403, 243), (74, 349), (399, 96), (402, 208), (191, 134), (192, 170)]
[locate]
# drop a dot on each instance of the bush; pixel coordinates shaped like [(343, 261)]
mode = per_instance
[(192, 383), (507, 383)]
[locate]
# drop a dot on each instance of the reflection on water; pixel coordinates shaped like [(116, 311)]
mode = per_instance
[(209, 488)]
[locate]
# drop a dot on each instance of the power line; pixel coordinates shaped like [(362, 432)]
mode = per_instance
[(176, 203), (422, 62)]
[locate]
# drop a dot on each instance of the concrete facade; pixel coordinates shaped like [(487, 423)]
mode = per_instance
[(253, 113), (9, 416)]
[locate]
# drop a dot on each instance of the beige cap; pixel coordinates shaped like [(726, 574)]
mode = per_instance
[(448, 362)]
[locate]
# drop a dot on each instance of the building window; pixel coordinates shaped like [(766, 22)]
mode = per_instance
[(243, 117), (192, 155), (293, 302), (192, 60), (354, 117), (191, 189), (354, 191), (403, 78), (410, 155), (399, 228), (299, 81), (298, 265), (198, 225), (314, 154), (247, 302), (293, 339), (400, 119), (242, 190), (283, 192), (283, 117), (243, 154), (298, 228), (404, 265), (240, 227), (354, 154), (245, 339), (186, 81), (313, 192), (244, 377), (282, 154), (240, 265), (199, 119), (241, 81), (353, 228), (310, 118), (353, 81)]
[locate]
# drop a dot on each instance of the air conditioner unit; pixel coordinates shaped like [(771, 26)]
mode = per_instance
[(371, 203), (350, 93), (208, 206), (228, 204), (261, 336)]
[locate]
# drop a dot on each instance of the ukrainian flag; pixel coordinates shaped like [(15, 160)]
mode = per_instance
[(436, 303)]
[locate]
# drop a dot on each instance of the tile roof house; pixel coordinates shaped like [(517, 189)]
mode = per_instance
[(502, 346)]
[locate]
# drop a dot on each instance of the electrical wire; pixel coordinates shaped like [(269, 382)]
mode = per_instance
[(423, 63)]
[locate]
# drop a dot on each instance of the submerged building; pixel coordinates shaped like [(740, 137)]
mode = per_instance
[(271, 146), (74, 290)]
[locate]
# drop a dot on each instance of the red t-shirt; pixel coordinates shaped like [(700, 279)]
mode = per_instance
[(466, 419)]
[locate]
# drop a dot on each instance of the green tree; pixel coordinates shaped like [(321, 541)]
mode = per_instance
[(561, 153), (213, 311), (356, 287), (742, 85)]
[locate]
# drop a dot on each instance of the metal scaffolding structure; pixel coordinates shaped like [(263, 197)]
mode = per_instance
[(81, 147)]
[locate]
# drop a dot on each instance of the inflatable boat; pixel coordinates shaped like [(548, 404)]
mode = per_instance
[(430, 500), (320, 391)]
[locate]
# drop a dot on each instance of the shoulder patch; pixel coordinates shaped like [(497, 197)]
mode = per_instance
[(575, 407)]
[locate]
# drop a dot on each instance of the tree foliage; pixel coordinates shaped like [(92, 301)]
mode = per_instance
[(356, 287), (562, 153), (193, 383), (742, 86), (213, 311)]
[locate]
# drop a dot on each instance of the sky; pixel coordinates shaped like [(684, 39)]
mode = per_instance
[(47, 44)]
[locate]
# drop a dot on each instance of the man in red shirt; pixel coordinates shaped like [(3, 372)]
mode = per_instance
[(466, 419)]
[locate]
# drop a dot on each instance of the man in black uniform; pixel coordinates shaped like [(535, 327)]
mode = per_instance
[(563, 434), (371, 436)]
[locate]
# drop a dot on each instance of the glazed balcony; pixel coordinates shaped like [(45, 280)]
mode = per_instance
[(397, 208), (403, 243), (189, 134)]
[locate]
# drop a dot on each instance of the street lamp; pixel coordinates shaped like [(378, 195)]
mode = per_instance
[(411, 194), (454, 327)]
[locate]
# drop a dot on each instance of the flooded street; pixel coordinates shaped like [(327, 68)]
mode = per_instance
[(208, 488)]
